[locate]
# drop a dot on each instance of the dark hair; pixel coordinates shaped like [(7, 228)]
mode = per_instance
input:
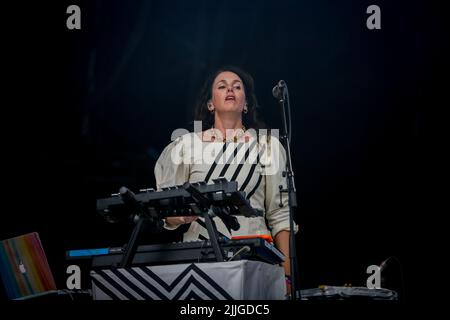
[(249, 119)]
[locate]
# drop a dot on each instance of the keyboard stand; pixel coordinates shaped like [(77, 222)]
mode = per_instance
[(207, 215)]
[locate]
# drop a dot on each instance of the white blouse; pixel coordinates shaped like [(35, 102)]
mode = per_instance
[(256, 164)]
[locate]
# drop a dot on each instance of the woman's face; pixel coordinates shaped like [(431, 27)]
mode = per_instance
[(228, 94)]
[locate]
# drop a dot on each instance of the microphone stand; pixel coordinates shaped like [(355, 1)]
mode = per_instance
[(291, 190)]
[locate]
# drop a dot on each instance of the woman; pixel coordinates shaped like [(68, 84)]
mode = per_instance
[(227, 107)]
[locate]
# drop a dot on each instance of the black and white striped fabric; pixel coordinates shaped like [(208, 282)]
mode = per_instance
[(248, 163), (203, 281), (232, 162)]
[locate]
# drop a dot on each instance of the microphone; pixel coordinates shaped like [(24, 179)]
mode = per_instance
[(278, 90)]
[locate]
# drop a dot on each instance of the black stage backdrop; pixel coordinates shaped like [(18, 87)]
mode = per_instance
[(92, 109)]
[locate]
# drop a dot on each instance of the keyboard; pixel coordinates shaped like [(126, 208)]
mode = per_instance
[(183, 252)]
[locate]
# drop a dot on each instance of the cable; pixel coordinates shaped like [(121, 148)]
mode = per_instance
[(402, 278), (244, 248)]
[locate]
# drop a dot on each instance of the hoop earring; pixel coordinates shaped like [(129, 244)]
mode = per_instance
[(245, 109)]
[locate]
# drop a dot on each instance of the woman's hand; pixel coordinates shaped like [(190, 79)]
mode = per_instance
[(173, 222)]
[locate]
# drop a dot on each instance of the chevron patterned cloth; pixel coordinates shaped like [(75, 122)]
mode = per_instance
[(233, 280)]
